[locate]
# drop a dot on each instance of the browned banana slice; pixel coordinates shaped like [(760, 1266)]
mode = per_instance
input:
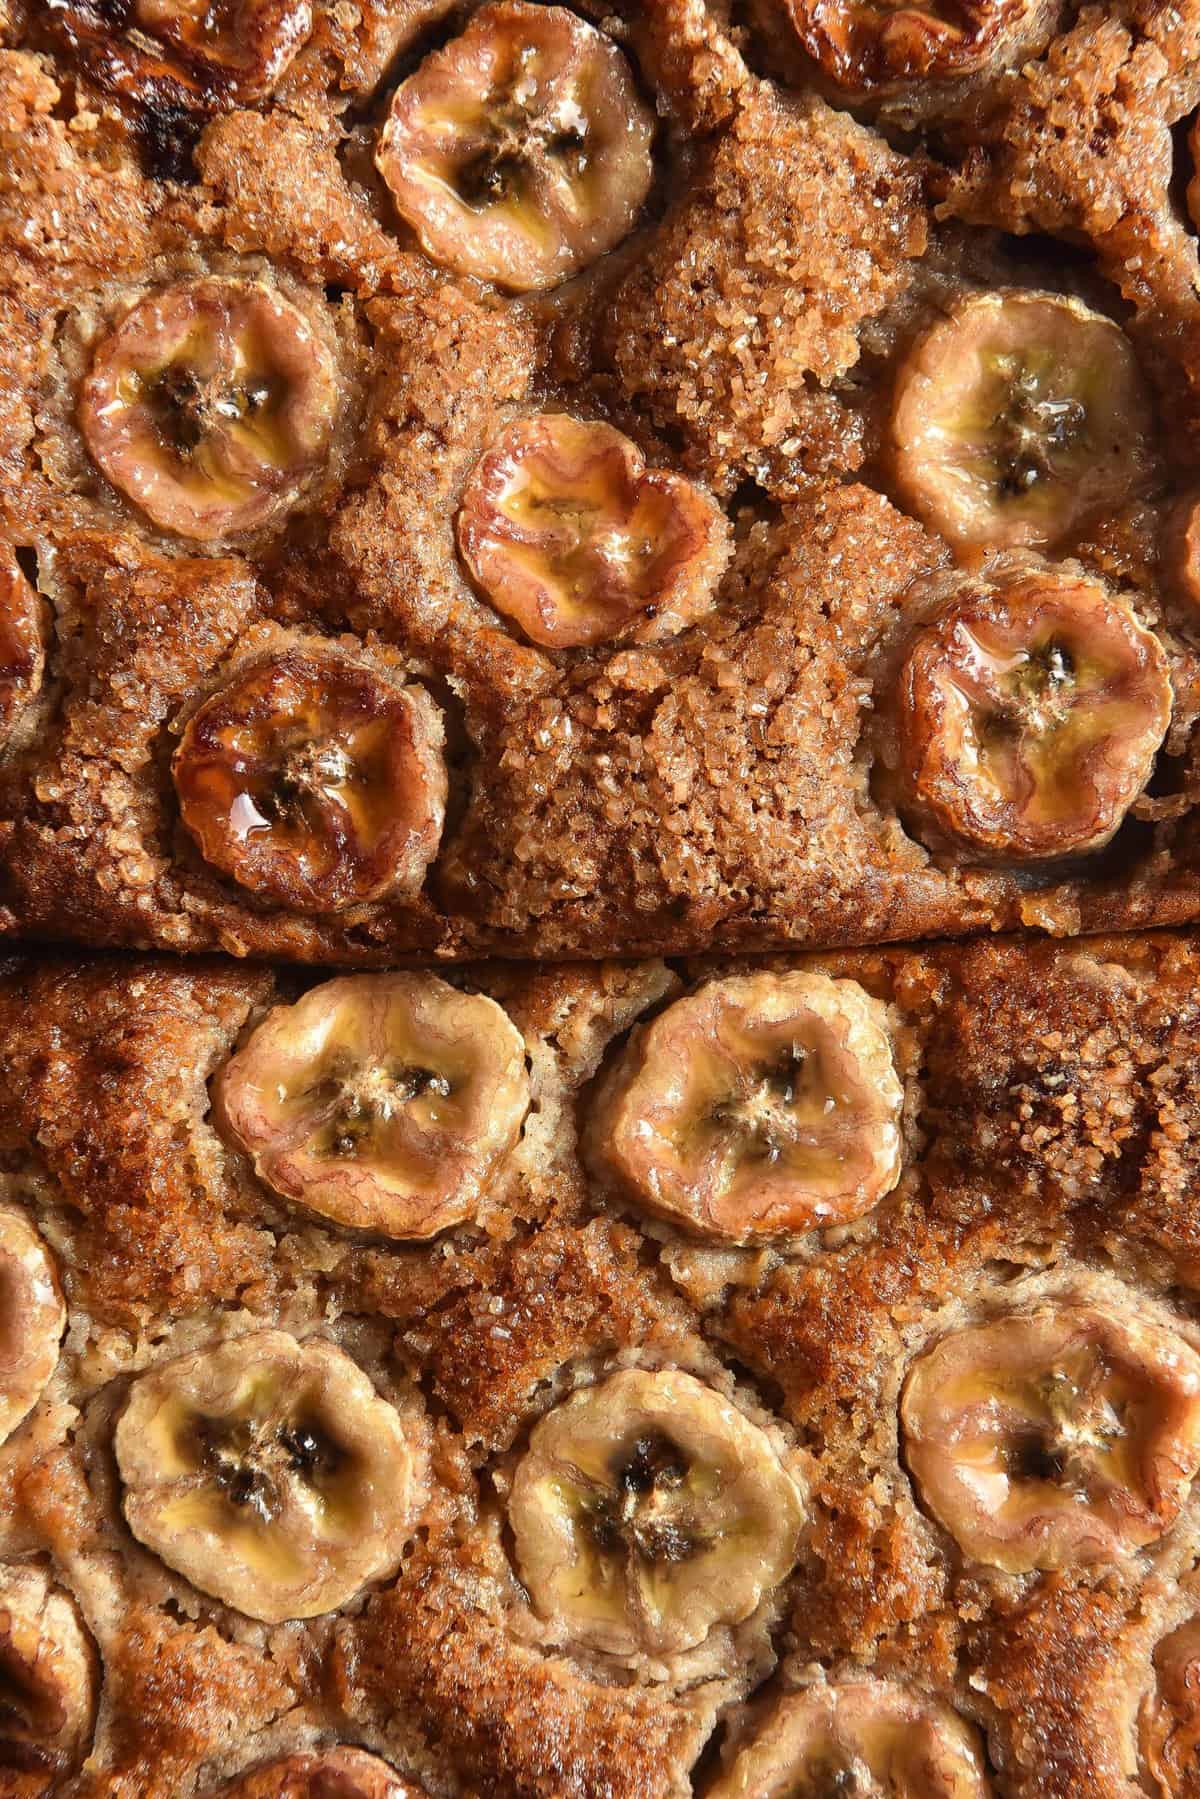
[(647, 1510), (761, 1106), (568, 532), (211, 406), (22, 642), (324, 1774), (862, 1738), (384, 1102), (1054, 1438), (870, 47), (1028, 718), (1169, 1719), (269, 1473), (47, 1677), (32, 1319), (1018, 416), (315, 782), (521, 151), (239, 46), (185, 53)]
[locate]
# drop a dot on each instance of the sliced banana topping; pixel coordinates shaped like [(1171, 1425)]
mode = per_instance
[(647, 1510), (383, 1102), (32, 1319), (1017, 417), (521, 151), (1169, 1718), (47, 1677), (269, 1473), (189, 53), (1054, 1438), (240, 46), (568, 533), (324, 1774), (1028, 718), (315, 781), (211, 406), (760, 1106), (861, 1738), (872, 47), (22, 642)]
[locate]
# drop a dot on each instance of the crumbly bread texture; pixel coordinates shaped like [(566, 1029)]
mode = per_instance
[(1049, 1158), (727, 783)]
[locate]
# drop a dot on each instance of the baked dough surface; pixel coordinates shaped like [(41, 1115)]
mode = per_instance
[(721, 787), (1049, 1152)]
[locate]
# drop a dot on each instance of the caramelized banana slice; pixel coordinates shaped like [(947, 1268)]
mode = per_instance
[(761, 1106), (871, 47), (47, 1677), (521, 151), (860, 1738), (383, 1102), (324, 1774), (22, 642), (1169, 1718), (240, 48), (189, 55), (32, 1320), (567, 532), (315, 782), (1017, 417), (1054, 1438), (269, 1473), (1029, 717), (211, 406), (648, 1510)]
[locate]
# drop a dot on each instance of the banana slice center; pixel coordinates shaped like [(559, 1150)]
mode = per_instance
[(1038, 709), (645, 1516), (1035, 693), (366, 1098), (252, 1461), (841, 1772), (771, 1111), (1035, 423), (217, 406), (304, 775), (595, 534), (838, 1773), (529, 136), (1074, 1430), (189, 404)]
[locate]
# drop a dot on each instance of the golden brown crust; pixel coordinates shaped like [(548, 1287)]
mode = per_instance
[(1051, 1153), (718, 788)]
